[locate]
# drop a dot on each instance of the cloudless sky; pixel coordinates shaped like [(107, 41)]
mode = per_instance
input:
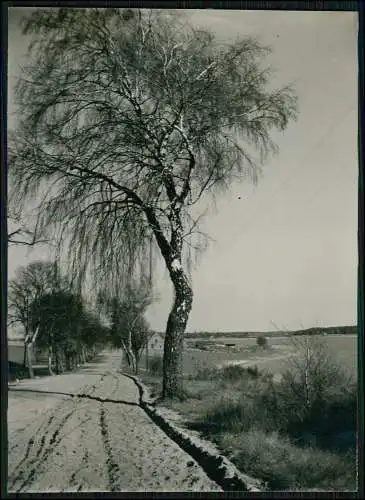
[(285, 251)]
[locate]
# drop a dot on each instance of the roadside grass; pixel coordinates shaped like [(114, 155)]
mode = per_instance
[(259, 425), (275, 459)]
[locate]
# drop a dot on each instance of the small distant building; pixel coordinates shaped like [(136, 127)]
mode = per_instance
[(16, 352), (155, 343)]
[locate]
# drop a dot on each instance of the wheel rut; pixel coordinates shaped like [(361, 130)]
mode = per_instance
[(42, 453), (100, 405), (111, 466), (37, 451)]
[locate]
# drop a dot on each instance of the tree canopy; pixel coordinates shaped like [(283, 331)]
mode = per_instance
[(131, 122), (31, 282), (129, 328), (66, 328), (127, 118)]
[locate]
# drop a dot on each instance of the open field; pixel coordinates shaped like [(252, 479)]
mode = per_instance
[(342, 347), (261, 424)]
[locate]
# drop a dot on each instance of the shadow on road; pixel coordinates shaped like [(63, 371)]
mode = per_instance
[(87, 396)]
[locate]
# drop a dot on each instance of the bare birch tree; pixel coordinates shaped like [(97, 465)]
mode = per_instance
[(126, 120), (129, 329), (312, 377)]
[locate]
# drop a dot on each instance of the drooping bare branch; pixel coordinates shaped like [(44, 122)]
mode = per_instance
[(145, 109), (127, 120)]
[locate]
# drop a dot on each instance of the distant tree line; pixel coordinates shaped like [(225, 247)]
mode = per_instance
[(330, 330)]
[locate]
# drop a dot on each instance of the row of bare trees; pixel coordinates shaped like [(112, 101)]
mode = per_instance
[(129, 329), (30, 283), (56, 320), (127, 119)]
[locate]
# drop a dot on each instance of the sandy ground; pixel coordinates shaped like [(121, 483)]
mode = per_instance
[(85, 432)]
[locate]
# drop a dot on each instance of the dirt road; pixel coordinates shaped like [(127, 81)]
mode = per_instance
[(86, 432)]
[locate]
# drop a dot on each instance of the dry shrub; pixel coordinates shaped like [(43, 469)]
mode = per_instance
[(261, 341), (276, 460), (155, 365)]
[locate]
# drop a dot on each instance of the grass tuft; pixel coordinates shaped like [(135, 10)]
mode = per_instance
[(284, 466)]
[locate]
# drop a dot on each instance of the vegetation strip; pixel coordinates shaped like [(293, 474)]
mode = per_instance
[(217, 467)]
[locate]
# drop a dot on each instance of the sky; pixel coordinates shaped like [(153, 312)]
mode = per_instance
[(284, 253)]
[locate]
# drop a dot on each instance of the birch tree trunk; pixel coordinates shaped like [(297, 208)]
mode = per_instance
[(28, 348), (50, 360), (174, 338), (57, 360), (172, 385), (131, 353), (83, 355), (28, 354)]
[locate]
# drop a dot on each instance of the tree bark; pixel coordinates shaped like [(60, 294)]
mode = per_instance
[(50, 360), (68, 362), (57, 361), (147, 365), (129, 356), (137, 357), (61, 361), (131, 353), (29, 359), (25, 354), (83, 355), (174, 339), (171, 251)]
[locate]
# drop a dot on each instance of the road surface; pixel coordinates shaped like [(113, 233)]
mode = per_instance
[(64, 436)]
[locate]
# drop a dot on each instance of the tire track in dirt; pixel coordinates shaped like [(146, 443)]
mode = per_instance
[(43, 451), (90, 388), (112, 467), (73, 476), (84, 469), (148, 459), (73, 483), (32, 442), (77, 481), (106, 392), (114, 391)]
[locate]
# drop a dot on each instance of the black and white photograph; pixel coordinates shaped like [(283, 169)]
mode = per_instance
[(182, 239)]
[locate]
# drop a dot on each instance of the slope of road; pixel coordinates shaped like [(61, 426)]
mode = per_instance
[(86, 432)]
